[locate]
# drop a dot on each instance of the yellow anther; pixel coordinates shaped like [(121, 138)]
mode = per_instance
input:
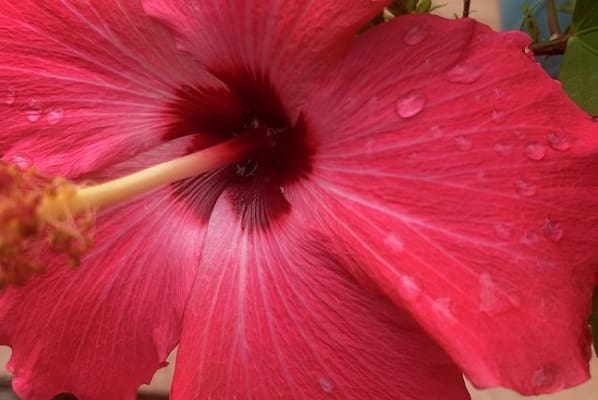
[(28, 232)]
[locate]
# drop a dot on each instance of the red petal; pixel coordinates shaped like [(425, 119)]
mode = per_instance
[(84, 84), (464, 178), (102, 330), (286, 41), (274, 315)]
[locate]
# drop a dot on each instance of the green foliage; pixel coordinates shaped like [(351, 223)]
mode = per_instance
[(567, 7), (579, 71), (530, 24)]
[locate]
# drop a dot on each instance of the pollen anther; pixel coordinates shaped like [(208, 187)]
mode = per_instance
[(36, 222)]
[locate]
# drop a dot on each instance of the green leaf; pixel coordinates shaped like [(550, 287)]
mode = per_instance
[(579, 71), (594, 319), (423, 7), (530, 24)]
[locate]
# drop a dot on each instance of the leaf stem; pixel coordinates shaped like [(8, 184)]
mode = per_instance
[(551, 47), (553, 19), (466, 8)]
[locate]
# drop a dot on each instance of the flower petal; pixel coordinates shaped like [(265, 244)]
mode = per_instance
[(102, 330), (457, 168), (274, 315), (282, 43), (84, 84)]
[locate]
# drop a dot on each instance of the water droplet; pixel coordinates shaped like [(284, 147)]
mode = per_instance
[(519, 134), (552, 230), (21, 161), (10, 95), (499, 93), (410, 104), (436, 132), (34, 110), (558, 141), (409, 289), (530, 239), (498, 116), (326, 385), (547, 378), (503, 231), (415, 35), (488, 300), (373, 102), (547, 265), (444, 308), (54, 116), (394, 242), (595, 118), (526, 188), (495, 300), (463, 143), (535, 151), (464, 73), (503, 148)]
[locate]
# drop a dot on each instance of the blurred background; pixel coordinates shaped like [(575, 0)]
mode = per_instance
[(500, 14)]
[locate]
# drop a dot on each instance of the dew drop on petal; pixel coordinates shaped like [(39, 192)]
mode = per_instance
[(547, 378), (373, 102), (530, 239), (436, 132), (595, 118), (488, 299), (410, 104), (503, 231), (498, 116), (444, 308), (535, 151), (415, 35), (54, 116), (463, 143), (10, 95), (499, 93), (326, 385), (503, 148), (552, 230), (519, 134), (558, 141), (464, 73), (526, 188), (34, 110), (21, 161), (395, 243), (409, 288)]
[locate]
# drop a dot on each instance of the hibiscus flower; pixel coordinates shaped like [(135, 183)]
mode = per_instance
[(414, 202)]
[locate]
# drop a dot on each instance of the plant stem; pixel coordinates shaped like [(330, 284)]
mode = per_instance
[(466, 7), (551, 47), (553, 20)]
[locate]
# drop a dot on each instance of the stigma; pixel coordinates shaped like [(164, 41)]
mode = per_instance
[(39, 213), (24, 221)]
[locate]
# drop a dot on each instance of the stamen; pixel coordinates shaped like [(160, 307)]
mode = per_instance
[(37, 211)]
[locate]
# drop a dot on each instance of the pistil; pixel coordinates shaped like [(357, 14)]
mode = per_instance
[(34, 209)]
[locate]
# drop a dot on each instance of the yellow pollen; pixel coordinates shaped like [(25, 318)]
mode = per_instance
[(38, 214)]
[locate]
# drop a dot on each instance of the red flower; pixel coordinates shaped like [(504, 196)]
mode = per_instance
[(424, 183)]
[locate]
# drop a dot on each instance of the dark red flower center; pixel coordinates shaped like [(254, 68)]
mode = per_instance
[(254, 187)]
